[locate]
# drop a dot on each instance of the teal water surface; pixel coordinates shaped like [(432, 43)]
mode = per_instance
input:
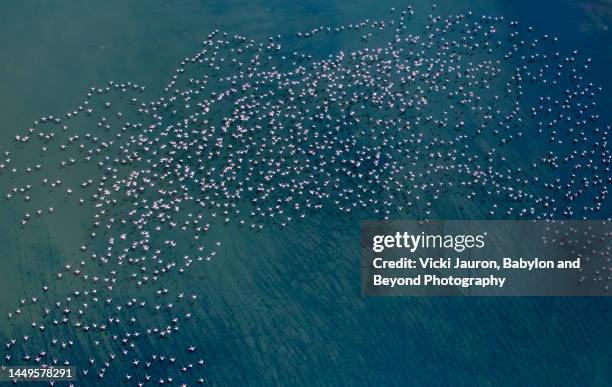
[(285, 308)]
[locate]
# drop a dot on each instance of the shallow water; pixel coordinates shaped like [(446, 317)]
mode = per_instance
[(285, 308)]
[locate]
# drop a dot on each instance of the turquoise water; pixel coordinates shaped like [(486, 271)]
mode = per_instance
[(285, 308)]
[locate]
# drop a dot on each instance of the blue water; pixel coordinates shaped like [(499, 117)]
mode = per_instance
[(286, 308)]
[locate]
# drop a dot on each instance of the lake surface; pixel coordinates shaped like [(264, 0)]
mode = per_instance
[(285, 308)]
